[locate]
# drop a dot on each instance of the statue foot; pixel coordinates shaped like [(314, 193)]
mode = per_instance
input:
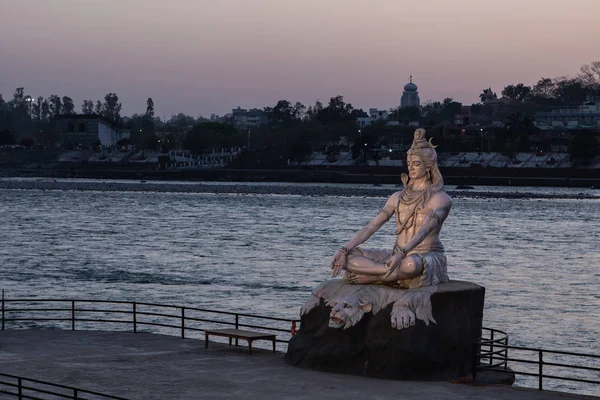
[(402, 317)]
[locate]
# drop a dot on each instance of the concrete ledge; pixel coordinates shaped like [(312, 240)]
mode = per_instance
[(149, 366)]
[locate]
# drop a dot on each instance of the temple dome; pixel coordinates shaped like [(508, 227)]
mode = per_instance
[(410, 87), (410, 96)]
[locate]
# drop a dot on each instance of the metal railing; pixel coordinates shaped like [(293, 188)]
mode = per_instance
[(491, 354), (26, 388), (136, 315)]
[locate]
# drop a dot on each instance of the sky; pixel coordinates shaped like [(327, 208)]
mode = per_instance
[(208, 56)]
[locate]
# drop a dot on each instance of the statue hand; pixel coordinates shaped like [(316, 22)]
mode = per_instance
[(393, 264), (338, 262)]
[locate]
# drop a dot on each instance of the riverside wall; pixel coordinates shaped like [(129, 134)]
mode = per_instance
[(560, 177)]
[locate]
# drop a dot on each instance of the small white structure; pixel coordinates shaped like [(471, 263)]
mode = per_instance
[(374, 115)]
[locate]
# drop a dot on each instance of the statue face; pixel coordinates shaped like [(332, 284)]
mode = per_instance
[(416, 167)]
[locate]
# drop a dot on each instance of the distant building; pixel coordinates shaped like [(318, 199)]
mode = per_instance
[(246, 119), (86, 131), (374, 115), (463, 117), (583, 116), (410, 96)]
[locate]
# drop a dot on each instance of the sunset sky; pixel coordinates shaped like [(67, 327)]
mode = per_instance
[(209, 56)]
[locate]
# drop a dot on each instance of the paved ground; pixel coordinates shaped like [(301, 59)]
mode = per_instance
[(149, 366)]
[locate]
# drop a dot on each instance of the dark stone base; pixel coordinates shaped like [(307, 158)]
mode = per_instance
[(442, 351)]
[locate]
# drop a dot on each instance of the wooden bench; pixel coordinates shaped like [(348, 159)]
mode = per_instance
[(236, 334)]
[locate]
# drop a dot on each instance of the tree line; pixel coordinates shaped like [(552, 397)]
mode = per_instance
[(293, 130)]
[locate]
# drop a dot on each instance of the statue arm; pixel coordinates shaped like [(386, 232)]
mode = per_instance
[(380, 219), (439, 207), (340, 257)]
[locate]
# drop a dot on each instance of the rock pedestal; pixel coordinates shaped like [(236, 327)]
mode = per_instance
[(438, 351)]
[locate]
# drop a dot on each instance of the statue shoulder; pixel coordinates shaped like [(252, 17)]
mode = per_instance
[(393, 199), (440, 199)]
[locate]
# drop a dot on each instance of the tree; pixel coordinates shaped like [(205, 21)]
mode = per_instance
[(337, 110), (543, 89), (519, 127), (149, 108), (55, 105), (36, 110), (87, 107), (208, 135), (487, 93), (6, 137), (98, 108), (570, 91), (313, 111), (282, 113), (148, 121), (516, 92), (18, 108), (45, 110), (584, 146), (68, 107), (404, 115), (299, 110), (590, 75), (111, 108)]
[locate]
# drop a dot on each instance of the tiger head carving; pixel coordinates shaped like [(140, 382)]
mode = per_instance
[(347, 312)]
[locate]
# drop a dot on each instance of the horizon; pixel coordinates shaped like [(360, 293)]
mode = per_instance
[(203, 58)]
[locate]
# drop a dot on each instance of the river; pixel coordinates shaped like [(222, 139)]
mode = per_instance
[(538, 258)]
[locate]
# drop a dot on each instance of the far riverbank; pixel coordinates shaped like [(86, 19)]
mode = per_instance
[(559, 177), (278, 188)]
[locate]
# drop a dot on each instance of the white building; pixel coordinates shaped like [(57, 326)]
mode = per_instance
[(86, 131), (374, 115), (246, 119), (583, 116), (410, 96)]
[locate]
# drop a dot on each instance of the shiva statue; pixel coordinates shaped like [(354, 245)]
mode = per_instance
[(418, 258)]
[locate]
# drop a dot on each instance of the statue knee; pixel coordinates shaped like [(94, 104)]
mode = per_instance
[(411, 265)]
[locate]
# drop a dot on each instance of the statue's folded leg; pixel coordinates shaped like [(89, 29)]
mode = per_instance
[(365, 270), (369, 262)]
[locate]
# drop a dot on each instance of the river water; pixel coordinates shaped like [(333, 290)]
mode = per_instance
[(537, 258)]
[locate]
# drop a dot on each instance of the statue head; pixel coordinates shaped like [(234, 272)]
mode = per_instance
[(426, 152), (347, 311)]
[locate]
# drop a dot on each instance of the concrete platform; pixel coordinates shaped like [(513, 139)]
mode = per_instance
[(149, 366)]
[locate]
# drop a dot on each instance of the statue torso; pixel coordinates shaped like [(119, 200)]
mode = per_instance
[(411, 212)]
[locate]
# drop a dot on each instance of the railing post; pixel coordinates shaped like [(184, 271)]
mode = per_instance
[(20, 388), (134, 317), (492, 347), (72, 315), (474, 366), (541, 363), (237, 325), (506, 352), (183, 322), (2, 309), (75, 394)]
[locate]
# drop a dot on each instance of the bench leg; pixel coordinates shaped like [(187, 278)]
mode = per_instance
[(229, 342), (250, 347), (273, 345), (205, 340)]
